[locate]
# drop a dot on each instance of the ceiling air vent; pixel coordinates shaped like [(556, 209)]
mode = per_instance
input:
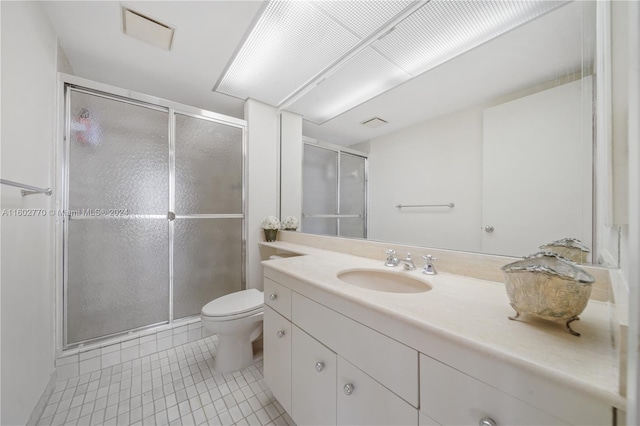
[(147, 29), (374, 122)]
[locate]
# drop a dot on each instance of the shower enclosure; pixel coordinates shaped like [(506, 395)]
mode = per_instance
[(334, 189), (153, 220)]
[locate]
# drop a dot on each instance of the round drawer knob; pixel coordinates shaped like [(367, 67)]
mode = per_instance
[(348, 389), (487, 421), (273, 296), (319, 366), (280, 334)]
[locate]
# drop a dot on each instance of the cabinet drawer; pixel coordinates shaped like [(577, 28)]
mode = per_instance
[(386, 360), (278, 297), (313, 381), (453, 398), (277, 356), (369, 403)]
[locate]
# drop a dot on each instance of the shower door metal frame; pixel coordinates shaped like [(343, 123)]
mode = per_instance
[(67, 83), (339, 150)]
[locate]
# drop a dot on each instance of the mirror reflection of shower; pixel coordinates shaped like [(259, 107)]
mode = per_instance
[(334, 190)]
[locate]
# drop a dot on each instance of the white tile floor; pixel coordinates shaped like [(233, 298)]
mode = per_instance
[(177, 386)]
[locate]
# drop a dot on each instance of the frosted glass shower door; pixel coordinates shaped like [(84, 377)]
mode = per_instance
[(208, 259), (116, 229)]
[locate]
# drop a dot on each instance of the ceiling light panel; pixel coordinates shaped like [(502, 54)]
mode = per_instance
[(363, 17), (291, 43), (295, 41), (363, 77), (442, 30)]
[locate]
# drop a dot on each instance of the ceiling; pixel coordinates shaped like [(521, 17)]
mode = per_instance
[(208, 33), (206, 37)]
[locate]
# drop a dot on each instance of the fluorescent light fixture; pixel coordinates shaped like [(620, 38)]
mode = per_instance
[(294, 42), (367, 73), (322, 58), (147, 29), (442, 30)]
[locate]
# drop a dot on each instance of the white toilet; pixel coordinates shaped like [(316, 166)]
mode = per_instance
[(237, 320)]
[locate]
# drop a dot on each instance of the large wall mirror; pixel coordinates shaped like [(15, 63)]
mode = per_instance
[(491, 151)]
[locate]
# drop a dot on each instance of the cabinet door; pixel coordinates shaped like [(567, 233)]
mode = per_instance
[(277, 356), (367, 402), (313, 381), (451, 397)]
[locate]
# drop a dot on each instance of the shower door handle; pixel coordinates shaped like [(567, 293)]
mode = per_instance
[(171, 216)]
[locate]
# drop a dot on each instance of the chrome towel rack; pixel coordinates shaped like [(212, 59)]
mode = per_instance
[(332, 216), (26, 189), (402, 206)]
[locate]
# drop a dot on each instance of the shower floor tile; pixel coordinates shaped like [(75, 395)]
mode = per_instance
[(177, 386)]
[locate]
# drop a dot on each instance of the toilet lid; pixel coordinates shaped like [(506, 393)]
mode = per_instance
[(234, 303)]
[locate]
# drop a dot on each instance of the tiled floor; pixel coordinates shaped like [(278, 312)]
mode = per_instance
[(174, 387)]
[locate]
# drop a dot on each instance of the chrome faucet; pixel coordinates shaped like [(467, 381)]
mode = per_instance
[(429, 269), (392, 260), (408, 263)]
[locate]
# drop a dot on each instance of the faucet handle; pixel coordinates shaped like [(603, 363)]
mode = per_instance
[(392, 260), (429, 269), (408, 256)]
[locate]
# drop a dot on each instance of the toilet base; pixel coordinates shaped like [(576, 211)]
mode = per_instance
[(233, 353)]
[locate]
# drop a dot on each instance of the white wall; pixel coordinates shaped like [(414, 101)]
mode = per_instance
[(631, 268), (291, 165), (29, 48), (436, 162), (262, 186)]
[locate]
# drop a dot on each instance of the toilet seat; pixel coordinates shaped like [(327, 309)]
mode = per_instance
[(234, 305)]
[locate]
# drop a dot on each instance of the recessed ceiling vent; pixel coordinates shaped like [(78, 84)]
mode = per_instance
[(374, 122), (147, 29)]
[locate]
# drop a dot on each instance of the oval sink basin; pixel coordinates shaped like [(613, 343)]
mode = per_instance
[(378, 280)]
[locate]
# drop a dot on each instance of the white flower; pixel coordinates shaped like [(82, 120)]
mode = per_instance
[(290, 222), (270, 222)]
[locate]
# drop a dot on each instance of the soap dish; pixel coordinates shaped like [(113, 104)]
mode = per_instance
[(548, 286)]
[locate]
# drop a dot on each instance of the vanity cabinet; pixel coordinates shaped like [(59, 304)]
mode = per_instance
[(339, 371), (328, 367), (277, 356)]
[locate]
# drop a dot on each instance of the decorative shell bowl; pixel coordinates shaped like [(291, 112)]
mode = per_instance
[(548, 286), (569, 248)]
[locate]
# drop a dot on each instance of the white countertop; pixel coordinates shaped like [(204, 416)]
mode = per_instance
[(474, 313)]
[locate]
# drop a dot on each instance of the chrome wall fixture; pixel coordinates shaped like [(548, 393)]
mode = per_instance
[(26, 189), (402, 206), (332, 216)]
